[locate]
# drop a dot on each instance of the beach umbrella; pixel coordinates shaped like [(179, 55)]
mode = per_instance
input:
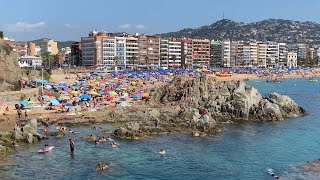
[(85, 96), (140, 92), (112, 93), (74, 92), (49, 94), (45, 97), (68, 104), (54, 101), (56, 94), (94, 93), (108, 98), (24, 103), (144, 95), (31, 102), (136, 97)]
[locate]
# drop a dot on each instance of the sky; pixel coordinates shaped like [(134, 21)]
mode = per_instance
[(64, 20)]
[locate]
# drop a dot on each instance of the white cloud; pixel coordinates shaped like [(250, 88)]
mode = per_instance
[(125, 26), (24, 26), (140, 26), (71, 26)]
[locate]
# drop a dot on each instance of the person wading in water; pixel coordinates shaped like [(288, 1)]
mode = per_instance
[(71, 142)]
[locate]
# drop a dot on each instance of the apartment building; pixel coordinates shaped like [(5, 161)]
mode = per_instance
[(49, 46), (174, 52), (201, 52), (216, 54), (149, 51), (76, 57), (164, 53), (18, 47), (88, 53), (132, 51), (292, 60), (283, 54), (229, 53), (186, 53), (272, 54), (120, 52), (262, 55)]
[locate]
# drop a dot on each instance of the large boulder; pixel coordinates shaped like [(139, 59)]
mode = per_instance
[(10, 71), (18, 135), (226, 100), (133, 126), (29, 138)]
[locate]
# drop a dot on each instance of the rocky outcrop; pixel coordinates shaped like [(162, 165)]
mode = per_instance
[(10, 71), (28, 133), (102, 166), (312, 166), (225, 100)]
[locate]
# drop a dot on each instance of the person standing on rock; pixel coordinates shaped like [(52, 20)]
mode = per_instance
[(71, 142), (157, 122)]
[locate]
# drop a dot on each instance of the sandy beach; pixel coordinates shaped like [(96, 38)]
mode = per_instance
[(7, 121)]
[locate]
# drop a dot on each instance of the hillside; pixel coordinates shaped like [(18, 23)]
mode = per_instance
[(278, 30), (61, 44)]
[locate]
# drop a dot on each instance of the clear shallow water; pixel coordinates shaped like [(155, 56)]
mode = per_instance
[(240, 152)]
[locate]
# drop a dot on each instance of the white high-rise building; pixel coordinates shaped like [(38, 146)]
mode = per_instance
[(174, 50), (272, 54), (229, 53), (292, 60), (283, 52), (120, 52)]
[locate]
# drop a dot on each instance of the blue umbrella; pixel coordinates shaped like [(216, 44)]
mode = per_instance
[(54, 101), (68, 104), (24, 102), (85, 96), (136, 97)]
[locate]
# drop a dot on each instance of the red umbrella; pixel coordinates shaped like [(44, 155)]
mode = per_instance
[(49, 94), (108, 98)]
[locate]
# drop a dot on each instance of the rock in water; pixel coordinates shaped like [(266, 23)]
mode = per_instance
[(312, 166), (225, 100), (10, 71), (102, 166), (29, 138)]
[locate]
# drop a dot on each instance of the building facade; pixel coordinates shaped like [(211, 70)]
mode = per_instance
[(132, 51), (187, 53), (76, 57), (49, 46), (149, 51), (292, 60), (201, 52), (18, 47), (174, 52), (30, 61)]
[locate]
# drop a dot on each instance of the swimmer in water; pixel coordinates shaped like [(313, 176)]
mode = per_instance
[(162, 151)]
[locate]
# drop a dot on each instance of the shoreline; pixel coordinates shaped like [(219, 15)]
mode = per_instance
[(7, 122)]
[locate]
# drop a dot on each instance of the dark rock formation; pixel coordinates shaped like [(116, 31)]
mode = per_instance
[(10, 71)]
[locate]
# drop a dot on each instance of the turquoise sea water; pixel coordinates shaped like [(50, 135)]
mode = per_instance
[(240, 152)]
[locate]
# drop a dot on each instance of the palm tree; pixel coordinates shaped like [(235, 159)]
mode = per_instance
[(174, 58), (133, 59), (147, 62), (260, 62), (183, 61), (115, 61)]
